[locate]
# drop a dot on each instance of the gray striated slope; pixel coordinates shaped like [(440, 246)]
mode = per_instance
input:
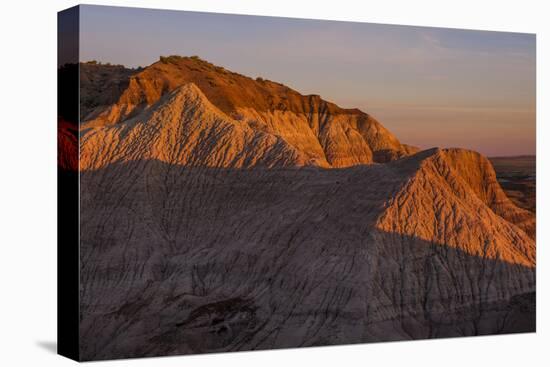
[(178, 259)]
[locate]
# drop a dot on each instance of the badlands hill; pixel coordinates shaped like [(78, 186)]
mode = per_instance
[(223, 213), (324, 133), (180, 259)]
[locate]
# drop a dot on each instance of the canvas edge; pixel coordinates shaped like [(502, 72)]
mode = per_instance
[(68, 277)]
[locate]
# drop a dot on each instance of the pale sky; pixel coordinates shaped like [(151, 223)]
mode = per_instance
[(429, 86)]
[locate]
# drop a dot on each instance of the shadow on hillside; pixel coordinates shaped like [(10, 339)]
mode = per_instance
[(194, 260)]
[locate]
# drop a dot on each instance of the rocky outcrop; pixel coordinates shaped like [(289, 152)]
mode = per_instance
[(479, 174), (101, 85), (451, 199), (320, 130), (184, 128)]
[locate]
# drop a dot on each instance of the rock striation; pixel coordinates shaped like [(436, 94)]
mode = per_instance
[(184, 128)]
